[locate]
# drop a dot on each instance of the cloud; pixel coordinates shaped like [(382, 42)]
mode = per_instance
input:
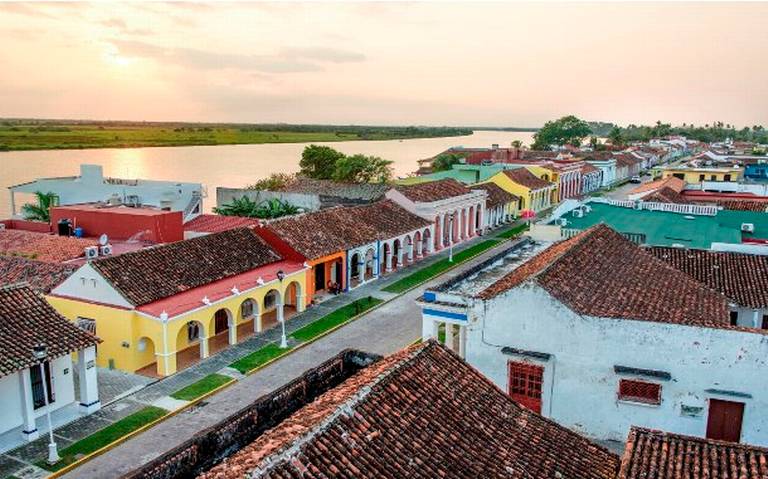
[(23, 9), (330, 55), (293, 61), (120, 25)]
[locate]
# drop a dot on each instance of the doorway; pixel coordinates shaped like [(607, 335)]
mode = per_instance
[(525, 382), (724, 421), (221, 321), (320, 277)]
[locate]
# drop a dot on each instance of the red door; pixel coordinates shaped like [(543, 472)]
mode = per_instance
[(724, 422), (525, 384)]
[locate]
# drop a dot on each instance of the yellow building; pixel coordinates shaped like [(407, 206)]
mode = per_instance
[(535, 193), (161, 309), (696, 175)]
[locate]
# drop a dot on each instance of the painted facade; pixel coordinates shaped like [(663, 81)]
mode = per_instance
[(530, 199), (700, 175)]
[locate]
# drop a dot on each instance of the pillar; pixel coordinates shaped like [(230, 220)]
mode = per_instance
[(756, 320), (400, 252), (411, 250), (203, 346), (231, 331), (29, 429), (301, 304), (361, 270), (463, 341), (89, 387), (449, 335), (438, 242), (418, 245), (257, 326), (280, 311)]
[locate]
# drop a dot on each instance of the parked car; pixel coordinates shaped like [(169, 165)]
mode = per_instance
[(636, 179)]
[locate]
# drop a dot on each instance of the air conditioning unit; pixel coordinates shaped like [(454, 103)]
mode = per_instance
[(578, 213), (91, 252), (2, 226), (563, 222), (105, 250), (748, 227), (587, 208)]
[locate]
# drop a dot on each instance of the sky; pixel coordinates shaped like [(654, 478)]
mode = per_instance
[(458, 63)]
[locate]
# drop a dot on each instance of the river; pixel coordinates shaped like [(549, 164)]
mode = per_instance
[(222, 165)]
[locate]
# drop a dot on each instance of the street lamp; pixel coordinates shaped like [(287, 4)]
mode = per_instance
[(281, 314), (41, 353), (450, 237)]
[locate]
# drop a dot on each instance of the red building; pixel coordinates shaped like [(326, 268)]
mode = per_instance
[(122, 222)]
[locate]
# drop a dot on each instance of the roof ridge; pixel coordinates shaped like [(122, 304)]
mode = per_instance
[(346, 407)]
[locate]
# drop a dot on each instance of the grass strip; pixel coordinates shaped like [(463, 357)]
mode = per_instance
[(258, 357), (205, 385), (511, 233), (105, 436), (435, 269), (335, 318)]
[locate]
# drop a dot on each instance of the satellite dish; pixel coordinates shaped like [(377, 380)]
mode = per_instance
[(103, 240)]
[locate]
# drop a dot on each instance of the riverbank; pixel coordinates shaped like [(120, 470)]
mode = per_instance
[(24, 135)]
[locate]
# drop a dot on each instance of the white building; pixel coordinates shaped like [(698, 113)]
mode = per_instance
[(608, 168), (599, 335), (26, 321), (92, 186), (457, 212)]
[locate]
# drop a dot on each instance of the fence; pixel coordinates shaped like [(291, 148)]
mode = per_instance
[(210, 446), (701, 210)]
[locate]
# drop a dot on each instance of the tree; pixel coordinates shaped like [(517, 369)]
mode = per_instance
[(319, 162), (274, 182), (446, 161), (246, 207), (566, 130), (615, 136), (42, 210), (517, 144), (363, 169)]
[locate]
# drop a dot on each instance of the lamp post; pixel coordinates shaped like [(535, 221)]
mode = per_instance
[(280, 313), (41, 353), (450, 237)]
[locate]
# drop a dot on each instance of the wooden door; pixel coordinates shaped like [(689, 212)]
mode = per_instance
[(221, 321), (724, 421), (525, 382)]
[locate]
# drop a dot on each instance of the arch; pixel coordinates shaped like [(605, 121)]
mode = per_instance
[(410, 248), (221, 321), (354, 261), (146, 349), (397, 253), (270, 309), (370, 266), (425, 240), (417, 245), (191, 344), (293, 296), (248, 309)]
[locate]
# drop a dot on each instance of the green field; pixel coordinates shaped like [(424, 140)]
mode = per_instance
[(50, 134), (203, 386), (335, 318)]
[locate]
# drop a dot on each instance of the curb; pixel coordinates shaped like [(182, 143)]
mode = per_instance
[(117, 442)]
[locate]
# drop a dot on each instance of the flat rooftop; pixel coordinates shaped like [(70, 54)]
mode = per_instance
[(115, 209), (663, 228)]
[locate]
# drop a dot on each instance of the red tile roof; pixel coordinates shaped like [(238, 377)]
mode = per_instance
[(420, 413), (162, 271), (743, 278), (26, 320), (523, 177), (323, 232), (743, 205), (671, 182), (42, 246), (387, 218), (600, 273), (666, 195), (660, 455), (217, 223), (39, 276), (434, 190), (587, 169), (497, 196)]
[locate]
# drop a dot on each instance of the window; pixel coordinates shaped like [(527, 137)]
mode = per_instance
[(270, 300), (765, 321), (86, 324), (713, 177), (525, 381), (247, 308), (734, 318), (193, 331), (727, 178), (679, 175), (639, 391), (38, 398), (701, 177)]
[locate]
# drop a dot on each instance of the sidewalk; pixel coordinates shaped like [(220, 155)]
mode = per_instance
[(20, 462)]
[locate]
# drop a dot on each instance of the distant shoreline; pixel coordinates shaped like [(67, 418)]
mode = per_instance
[(36, 135)]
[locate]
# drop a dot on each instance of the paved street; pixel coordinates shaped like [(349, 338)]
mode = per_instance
[(385, 330)]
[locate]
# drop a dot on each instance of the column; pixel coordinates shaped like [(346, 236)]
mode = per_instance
[(361, 269), (388, 259), (463, 341), (756, 320), (89, 387), (29, 429), (203, 346), (417, 245), (280, 311), (439, 226), (400, 252), (301, 304), (449, 335), (231, 331), (257, 326)]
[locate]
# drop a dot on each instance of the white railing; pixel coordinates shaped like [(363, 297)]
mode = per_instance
[(566, 233), (686, 209)]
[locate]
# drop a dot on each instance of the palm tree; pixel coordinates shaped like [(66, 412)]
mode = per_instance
[(42, 210)]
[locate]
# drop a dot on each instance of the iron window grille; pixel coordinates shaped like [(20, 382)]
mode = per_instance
[(639, 391)]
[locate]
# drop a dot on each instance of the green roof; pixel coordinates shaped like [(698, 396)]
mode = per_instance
[(467, 174), (663, 228)]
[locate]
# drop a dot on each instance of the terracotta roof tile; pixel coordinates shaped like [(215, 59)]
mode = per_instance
[(26, 320), (162, 271), (42, 246), (388, 218), (497, 196), (323, 232), (523, 177), (39, 276), (672, 182), (434, 190), (207, 223), (420, 413), (743, 205), (666, 195), (660, 455), (743, 278), (600, 273)]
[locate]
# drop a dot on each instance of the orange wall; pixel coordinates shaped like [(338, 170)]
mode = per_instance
[(328, 260)]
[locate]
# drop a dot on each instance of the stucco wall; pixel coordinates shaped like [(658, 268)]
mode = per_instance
[(580, 385), (306, 201)]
